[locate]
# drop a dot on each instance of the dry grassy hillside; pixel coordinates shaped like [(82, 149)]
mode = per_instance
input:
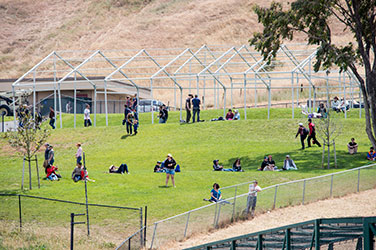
[(30, 29)]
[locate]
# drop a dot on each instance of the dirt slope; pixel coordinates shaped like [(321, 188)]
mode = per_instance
[(362, 204), (31, 29)]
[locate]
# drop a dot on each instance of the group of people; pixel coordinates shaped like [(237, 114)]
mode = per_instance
[(232, 115), (340, 105), (254, 188), (268, 164), (236, 166), (49, 159), (192, 104), (131, 115), (311, 133)]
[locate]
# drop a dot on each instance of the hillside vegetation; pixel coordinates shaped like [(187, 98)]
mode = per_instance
[(32, 29)]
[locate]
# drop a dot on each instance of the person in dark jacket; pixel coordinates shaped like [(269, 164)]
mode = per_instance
[(188, 107), (237, 166), (120, 170), (303, 132), (169, 165), (52, 118)]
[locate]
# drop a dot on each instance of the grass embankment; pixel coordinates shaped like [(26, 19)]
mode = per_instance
[(194, 146)]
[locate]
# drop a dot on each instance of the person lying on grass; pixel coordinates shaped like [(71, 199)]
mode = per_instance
[(51, 173), (120, 170), (218, 167), (215, 194)]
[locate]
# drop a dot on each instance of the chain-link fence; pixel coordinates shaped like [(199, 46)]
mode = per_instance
[(106, 224), (216, 215)]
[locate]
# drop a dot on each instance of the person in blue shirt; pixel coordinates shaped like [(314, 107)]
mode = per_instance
[(196, 108), (215, 193)]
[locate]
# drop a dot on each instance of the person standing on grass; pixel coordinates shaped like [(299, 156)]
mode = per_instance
[(135, 126), (51, 155), (46, 152), (312, 134), (252, 197), (170, 164), (78, 154), (196, 108), (188, 107), (130, 118), (303, 132), (52, 118), (87, 120)]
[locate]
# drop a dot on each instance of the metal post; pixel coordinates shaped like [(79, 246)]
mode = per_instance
[(105, 101), (55, 105), (231, 91), (34, 95), (269, 101), (357, 189), (14, 107), (23, 174), (145, 224), (215, 214), (2, 122), (20, 210), (29, 174), (255, 93), (36, 165), (234, 205), (141, 224), (335, 154), (224, 103), (186, 225), (331, 185), (288, 239), (152, 101), (317, 235), (259, 242), (152, 239), (304, 185), (72, 231), (245, 97), (75, 99), (95, 106), (275, 196), (86, 199), (218, 215), (292, 93)]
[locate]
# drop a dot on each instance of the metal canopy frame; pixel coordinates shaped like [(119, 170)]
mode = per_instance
[(229, 67)]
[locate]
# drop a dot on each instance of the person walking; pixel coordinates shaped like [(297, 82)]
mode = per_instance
[(51, 155), (52, 118), (303, 132), (312, 134), (188, 107), (196, 108), (78, 154), (170, 164), (87, 120), (252, 197), (130, 118)]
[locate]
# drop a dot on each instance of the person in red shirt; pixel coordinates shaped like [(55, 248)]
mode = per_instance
[(229, 115), (312, 134), (51, 174)]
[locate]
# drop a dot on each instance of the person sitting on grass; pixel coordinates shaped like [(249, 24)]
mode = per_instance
[(237, 166), (120, 170), (229, 115), (158, 168), (263, 164), (216, 195), (270, 164), (218, 167), (289, 164), (236, 115), (352, 147), (371, 155), (51, 173)]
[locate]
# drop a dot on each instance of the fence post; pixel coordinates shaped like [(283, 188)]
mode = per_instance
[(152, 239), (141, 224), (72, 231), (275, 196), (331, 186), (218, 214), (186, 225), (234, 205), (146, 216), (358, 181), (20, 211), (304, 184), (215, 213)]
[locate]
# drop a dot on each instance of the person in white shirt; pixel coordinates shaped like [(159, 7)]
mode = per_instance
[(252, 197), (87, 121), (289, 164)]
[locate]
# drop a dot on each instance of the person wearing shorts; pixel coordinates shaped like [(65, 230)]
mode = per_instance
[(170, 169), (252, 197)]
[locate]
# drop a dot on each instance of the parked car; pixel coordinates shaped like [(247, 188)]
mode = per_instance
[(147, 106)]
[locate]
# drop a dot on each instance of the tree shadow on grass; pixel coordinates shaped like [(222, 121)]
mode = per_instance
[(308, 160)]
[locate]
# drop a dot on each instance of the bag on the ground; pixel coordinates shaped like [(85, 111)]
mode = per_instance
[(177, 168)]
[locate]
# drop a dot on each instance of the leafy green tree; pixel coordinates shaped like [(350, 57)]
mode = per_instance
[(314, 19), (27, 139)]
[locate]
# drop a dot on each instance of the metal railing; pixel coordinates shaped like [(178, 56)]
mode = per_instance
[(219, 214)]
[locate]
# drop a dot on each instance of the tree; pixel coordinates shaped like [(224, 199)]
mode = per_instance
[(27, 139), (314, 19)]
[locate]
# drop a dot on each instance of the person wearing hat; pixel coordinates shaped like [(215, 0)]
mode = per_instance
[(169, 164), (158, 168), (218, 167), (289, 164), (312, 134), (303, 132)]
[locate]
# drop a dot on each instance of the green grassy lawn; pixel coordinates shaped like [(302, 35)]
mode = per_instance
[(194, 146)]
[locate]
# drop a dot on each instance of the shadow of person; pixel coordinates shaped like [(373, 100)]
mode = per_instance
[(123, 137)]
